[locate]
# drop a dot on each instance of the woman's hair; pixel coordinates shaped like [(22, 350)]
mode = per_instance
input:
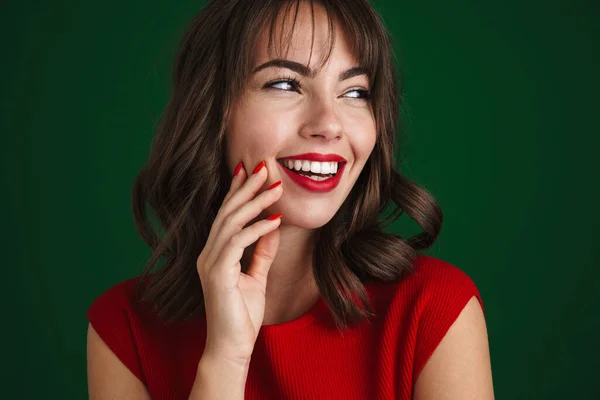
[(186, 178)]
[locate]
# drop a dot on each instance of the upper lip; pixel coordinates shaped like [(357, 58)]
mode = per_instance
[(315, 157)]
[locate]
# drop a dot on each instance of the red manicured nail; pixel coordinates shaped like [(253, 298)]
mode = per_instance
[(258, 167), (274, 185), (274, 217), (237, 169)]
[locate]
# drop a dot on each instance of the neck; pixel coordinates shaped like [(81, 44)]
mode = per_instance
[(291, 287)]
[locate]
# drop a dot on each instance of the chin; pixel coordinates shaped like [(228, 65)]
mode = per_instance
[(307, 222), (306, 217)]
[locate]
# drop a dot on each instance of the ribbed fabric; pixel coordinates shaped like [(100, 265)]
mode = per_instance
[(306, 358)]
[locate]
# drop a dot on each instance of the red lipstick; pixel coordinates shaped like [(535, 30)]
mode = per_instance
[(316, 157)]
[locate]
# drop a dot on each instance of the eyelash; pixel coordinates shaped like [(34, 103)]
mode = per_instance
[(365, 94)]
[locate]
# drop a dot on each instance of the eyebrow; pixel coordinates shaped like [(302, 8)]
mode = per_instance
[(305, 71)]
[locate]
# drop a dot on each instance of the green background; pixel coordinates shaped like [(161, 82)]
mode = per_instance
[(502, 128)]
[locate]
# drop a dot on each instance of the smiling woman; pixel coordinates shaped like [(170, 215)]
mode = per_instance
[(269, 172)]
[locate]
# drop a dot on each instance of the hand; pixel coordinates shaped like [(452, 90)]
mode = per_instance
[(235, 301)]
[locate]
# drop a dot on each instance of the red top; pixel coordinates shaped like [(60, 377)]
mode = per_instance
[(306, 358)]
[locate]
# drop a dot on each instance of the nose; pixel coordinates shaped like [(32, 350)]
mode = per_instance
[(321, 121)]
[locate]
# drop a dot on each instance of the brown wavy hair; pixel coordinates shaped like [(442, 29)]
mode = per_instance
[(177, 194)]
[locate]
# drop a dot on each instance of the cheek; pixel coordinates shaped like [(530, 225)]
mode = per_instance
[(255, 132), (363, 138)]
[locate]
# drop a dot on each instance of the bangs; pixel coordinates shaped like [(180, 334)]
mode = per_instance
[(357, 19)]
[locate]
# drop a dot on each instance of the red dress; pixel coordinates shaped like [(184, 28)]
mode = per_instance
[(306, 358)]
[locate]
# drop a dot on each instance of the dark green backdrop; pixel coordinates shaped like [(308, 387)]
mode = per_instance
[(502, 129)]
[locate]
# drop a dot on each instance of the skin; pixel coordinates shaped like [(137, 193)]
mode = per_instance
[(460, 367), (324, 116)]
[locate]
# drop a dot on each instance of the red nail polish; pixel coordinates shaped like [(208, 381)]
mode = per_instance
[(274, 217), (274, 185), (258, 167), (237, 169)]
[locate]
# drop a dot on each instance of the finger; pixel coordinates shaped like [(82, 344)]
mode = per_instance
[(239, 177), (237, 181), (237, 220), (263, 256), (228, 265), (243, 195)]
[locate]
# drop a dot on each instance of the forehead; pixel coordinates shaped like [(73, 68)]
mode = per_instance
[(304, 37)]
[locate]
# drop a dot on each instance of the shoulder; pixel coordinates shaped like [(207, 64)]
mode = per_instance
[(121, 299), (117, 309), (451, 331), (432, 297), (115, 318), (450, 328), (432, 283), (440, 291), (121, 294), (436, 280)]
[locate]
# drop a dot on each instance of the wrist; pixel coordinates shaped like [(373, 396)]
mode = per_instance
[(218, 355), (220, 378), (236, 364)]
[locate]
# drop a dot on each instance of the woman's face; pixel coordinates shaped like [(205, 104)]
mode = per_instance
[(275, 119)]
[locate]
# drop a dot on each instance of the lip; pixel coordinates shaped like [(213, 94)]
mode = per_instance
[(316, 157), (315, 186)]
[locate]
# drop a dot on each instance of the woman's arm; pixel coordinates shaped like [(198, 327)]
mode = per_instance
[(459, 368), (108, 377)]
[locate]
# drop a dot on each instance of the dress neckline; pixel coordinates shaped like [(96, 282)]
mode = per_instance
[(318, 310)]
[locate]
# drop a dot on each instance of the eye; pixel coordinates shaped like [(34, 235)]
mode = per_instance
[(362, 94), (285, 84)]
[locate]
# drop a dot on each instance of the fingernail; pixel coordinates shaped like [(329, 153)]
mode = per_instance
[(258, 167), (274, 185), (274, 217), (237, 169)]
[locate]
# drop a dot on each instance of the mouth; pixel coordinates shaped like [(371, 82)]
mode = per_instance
[(314, 176)]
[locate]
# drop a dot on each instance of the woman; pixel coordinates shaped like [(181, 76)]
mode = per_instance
[(271, 165)]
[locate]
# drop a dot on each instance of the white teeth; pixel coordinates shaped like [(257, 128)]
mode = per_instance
[(315, 167), (329, 167)]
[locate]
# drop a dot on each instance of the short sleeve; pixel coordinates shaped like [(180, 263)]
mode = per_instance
[(446, 290), (110, 315)]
